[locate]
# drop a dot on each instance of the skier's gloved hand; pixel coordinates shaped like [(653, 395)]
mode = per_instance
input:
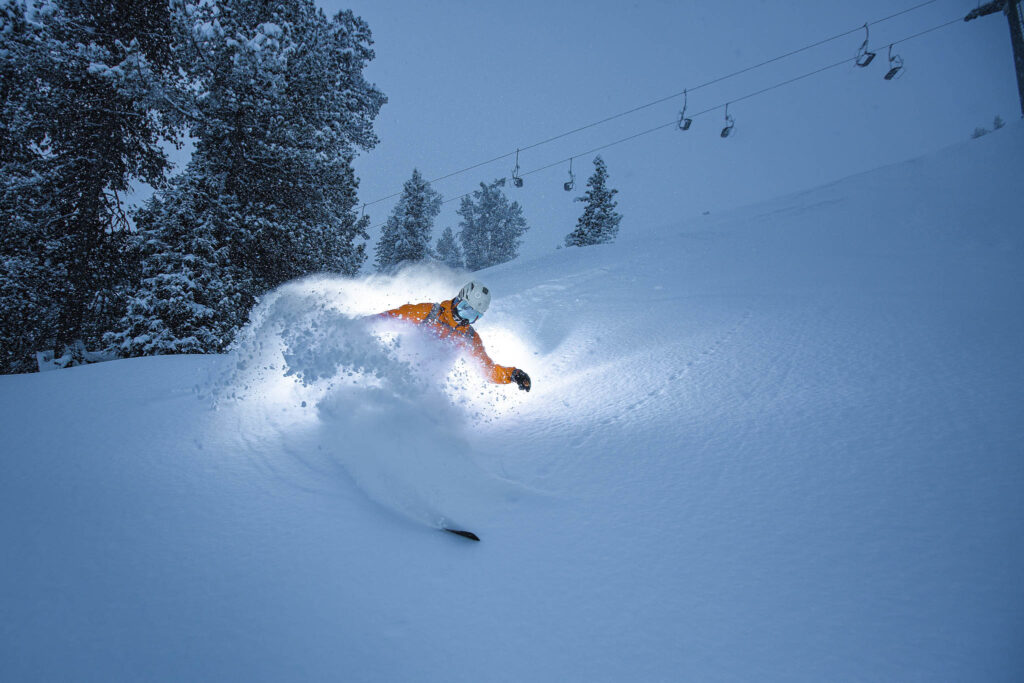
[(521, 378)]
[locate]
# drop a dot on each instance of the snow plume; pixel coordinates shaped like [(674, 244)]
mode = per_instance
[(389, 403)]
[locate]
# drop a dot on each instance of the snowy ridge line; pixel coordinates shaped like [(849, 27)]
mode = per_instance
[(661, 100), (663, 126)]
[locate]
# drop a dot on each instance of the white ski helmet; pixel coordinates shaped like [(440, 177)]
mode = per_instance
[(476, 295)]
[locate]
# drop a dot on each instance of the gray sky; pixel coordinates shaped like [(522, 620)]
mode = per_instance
[(469, 81)]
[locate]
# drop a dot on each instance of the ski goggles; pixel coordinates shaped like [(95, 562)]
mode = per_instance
[(465, 312)]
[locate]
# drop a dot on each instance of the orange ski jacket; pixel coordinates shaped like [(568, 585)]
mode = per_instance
[(442, 323)]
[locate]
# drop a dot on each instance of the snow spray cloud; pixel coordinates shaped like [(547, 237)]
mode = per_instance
[(321, 332), (379, 397), (316, 332)]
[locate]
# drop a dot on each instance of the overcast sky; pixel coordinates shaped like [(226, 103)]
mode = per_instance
[(469, 81)]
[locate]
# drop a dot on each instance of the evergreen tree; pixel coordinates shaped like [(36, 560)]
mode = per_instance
[(600, 222), (26, 306), (406, 235), (448, 251), (492, 227), (270, 193), (87, 88), (285, 109), (190, 298)]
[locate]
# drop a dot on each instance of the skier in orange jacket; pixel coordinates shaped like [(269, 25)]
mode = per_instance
[(453, 319)]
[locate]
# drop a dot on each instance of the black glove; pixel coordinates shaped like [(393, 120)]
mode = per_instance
[(521, 378)]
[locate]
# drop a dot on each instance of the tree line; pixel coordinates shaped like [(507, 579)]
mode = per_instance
[(272, 96), (491, 226)]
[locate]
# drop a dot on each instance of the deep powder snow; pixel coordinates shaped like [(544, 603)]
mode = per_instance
[(779, 444)]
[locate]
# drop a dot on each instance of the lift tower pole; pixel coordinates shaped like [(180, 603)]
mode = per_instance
[(1016, 20)]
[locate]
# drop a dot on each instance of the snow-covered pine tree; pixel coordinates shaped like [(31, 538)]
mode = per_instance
[(448, 251), (600, 222), (190, 298), (491, 228), (285, 108), (406, 235), (87, 89), (270, 193), (26, 307)]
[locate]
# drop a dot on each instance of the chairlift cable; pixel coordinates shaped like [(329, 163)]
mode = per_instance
[(674, 122), (748, 96), (722, 78), (661, 100)]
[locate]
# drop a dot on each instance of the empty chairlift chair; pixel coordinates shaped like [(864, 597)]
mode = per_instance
[(729, 123), (895, 65), (864, 56), (684, 122)]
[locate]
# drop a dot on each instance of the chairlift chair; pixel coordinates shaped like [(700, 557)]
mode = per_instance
[(895, 65), (729, 123), (571, 183), (516, 179), (684, 122), (864, 56)]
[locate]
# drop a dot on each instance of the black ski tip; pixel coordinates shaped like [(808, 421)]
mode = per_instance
[(461, 532)]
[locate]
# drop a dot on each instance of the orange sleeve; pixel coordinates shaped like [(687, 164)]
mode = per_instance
[(414, 312), (499, 374)]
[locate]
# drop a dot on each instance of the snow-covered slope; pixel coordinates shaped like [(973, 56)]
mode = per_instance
[(785, 443)]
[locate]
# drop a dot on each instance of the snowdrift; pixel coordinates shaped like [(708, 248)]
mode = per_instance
[(782, 443)]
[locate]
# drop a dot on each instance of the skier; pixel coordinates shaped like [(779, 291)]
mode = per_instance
[(453, 319)]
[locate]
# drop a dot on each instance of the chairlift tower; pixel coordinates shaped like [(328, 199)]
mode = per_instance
[(1014, 15)]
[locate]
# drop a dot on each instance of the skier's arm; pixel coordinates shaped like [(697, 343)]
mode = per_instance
[(499, 374), (413, 312)]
